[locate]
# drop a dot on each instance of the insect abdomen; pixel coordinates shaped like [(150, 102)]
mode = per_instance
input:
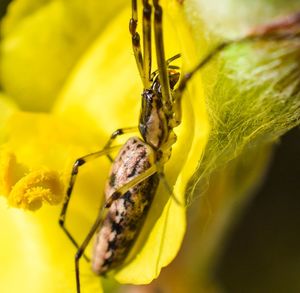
[(126, 215)]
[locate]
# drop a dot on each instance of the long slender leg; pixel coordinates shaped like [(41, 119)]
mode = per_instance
[(168, 65), (177, 95), (116, 195), (252, 37), (147, 11), (186, 77), (120, 132), (160, 55), (170, 60), (82, 247), (153, 169), (169, 189), (160, 171), (136, 42), (136, 180), (117, 133), (79, 162)]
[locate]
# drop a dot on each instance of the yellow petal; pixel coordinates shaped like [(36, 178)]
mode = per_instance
[(36, 158), (100, 93), (36, 252), (41, 41), (99, 86), (7, 108)]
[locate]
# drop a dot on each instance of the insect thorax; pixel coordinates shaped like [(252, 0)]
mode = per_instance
[(155, 116)]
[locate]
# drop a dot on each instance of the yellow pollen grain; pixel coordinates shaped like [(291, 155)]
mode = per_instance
[(35, 188)]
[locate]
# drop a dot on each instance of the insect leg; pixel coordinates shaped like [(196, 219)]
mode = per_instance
[(177, 95), (136, 43), (147, 11), (187, 76), (79, 162), (160, 55), (169, 189), (271, 32), (136, 180), (82, 247), (117, 133), (153, 169), (160, 171), (116, 195), (170, 60)]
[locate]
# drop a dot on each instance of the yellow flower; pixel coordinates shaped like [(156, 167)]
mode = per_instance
[(69, 80), (58, 59)]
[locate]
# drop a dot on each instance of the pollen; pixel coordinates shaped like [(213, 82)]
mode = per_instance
[(29, 189)]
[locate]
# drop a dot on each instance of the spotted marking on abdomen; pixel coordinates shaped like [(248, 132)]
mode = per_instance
[(126, 215)]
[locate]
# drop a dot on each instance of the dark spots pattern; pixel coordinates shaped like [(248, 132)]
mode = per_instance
[(69, 191), (162, 132), (117, 133), (80, 162), (108, 261), (112, 179), (136, 41), (147, 106), (111, 245), (133, 226), (125, 218), (147, 11), (77, 164), (134, 169), (116, 227), (147, 165), (137, 164), (154, 112), (127, 198)]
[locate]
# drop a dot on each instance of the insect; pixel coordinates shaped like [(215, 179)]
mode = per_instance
[(139, 166)]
